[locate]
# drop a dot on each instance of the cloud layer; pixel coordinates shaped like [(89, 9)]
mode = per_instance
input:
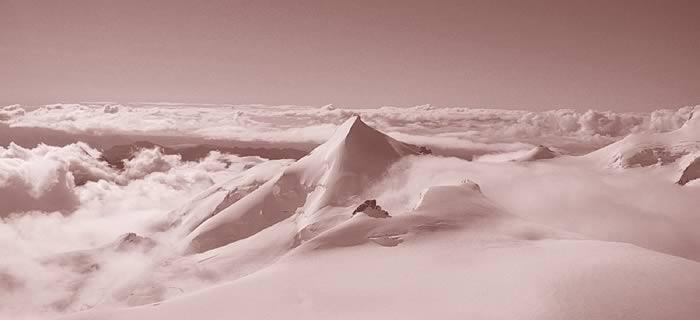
[(464, 128), (61, 207)]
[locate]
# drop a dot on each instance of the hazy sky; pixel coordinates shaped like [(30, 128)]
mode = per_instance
[(620, 55)]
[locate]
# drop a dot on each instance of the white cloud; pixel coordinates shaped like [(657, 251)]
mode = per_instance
[(45, 214), (568, 129), (44, 178), (9, 112), (147, 161)]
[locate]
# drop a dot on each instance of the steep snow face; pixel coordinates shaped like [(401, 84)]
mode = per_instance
[(642, 150), (334, 175), (344, 166)]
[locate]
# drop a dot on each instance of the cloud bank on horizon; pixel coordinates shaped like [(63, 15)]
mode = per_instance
[(483, 130)]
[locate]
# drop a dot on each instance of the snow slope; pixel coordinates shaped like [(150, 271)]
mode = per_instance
[(641, 150), (536, 280), (456, 256), (291, 248)]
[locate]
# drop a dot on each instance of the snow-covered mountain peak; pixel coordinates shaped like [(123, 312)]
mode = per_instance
[(356, 147), (347, 163), (336, 174)]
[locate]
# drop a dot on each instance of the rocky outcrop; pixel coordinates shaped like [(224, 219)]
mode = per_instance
[(372, 209), (690, 173)]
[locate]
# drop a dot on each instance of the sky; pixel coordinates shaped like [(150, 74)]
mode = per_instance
[(534, 55)]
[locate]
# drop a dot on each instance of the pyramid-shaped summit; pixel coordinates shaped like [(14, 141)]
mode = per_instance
[(357, 147), (335, 174), (354, 157)]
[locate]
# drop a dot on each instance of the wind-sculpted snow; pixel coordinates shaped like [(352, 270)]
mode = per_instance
[(457, 131)]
